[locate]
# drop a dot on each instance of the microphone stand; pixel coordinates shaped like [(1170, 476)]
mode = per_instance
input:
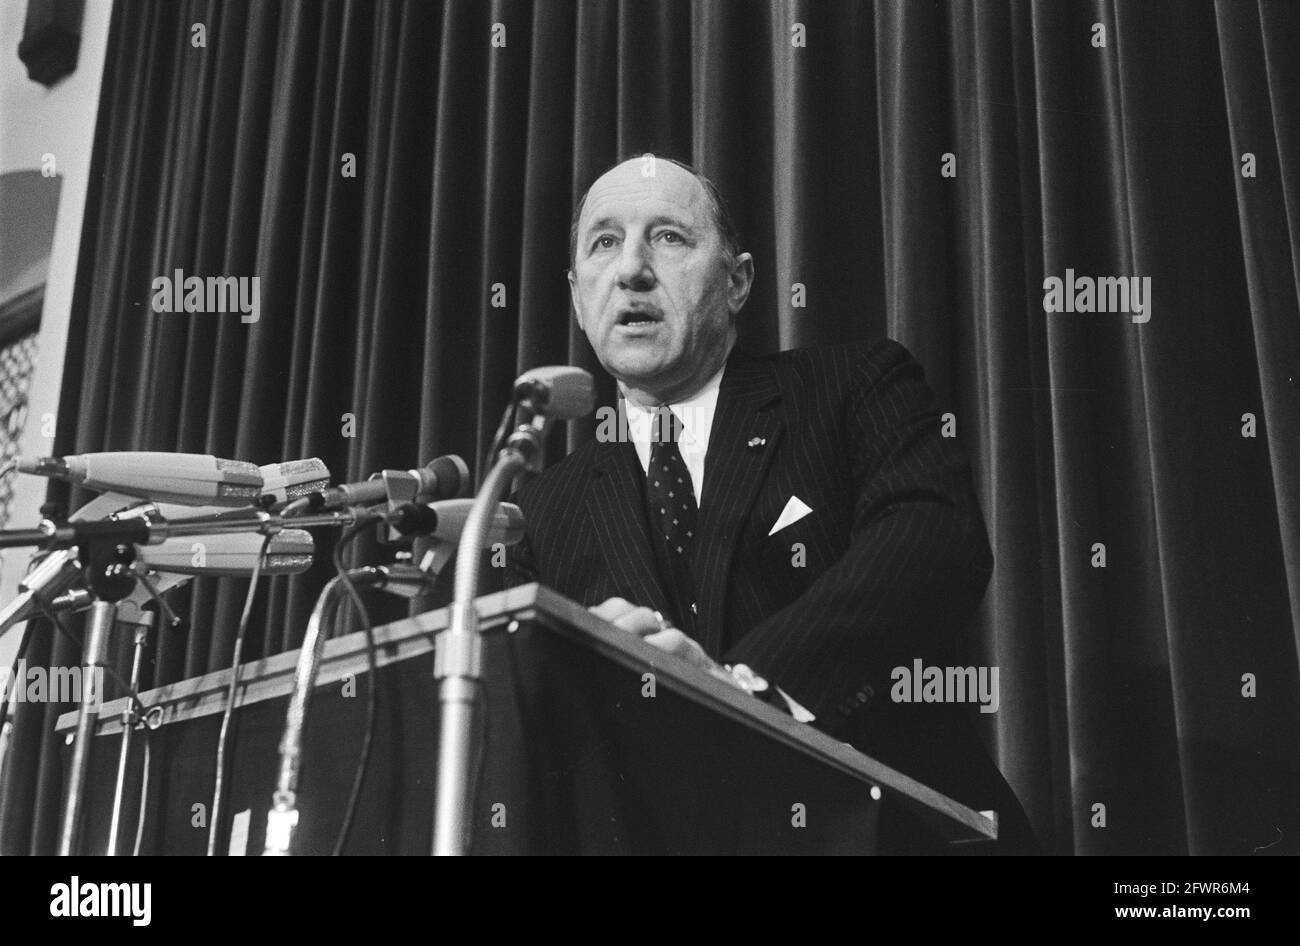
[(130, 716), (153, 529), (109, 576), (109, 551), (458, 657)]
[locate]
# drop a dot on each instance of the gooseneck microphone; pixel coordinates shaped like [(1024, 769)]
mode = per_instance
[(561, 392), (444, 478), (544, 395)]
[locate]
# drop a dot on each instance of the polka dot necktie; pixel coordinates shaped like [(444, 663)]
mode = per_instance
[(668, 485)]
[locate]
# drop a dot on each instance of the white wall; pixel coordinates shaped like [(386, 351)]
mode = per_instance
[(35, 121)]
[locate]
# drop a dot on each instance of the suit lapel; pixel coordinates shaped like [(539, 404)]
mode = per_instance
[(618, 512), (747, 426)]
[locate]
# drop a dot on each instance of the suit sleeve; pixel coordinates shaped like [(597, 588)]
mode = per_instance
[(917, 564)]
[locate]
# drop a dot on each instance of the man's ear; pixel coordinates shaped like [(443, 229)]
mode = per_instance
[(742, 280), (573, 297)]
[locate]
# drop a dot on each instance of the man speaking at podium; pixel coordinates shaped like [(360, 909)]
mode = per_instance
[(794, 523)]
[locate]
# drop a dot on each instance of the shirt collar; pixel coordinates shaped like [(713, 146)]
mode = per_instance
[(695, 413)]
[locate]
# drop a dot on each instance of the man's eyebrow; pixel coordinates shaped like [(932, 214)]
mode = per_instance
[(602, 223), (670, 219)]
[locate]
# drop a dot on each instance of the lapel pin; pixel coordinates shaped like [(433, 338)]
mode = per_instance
[(757, 441)]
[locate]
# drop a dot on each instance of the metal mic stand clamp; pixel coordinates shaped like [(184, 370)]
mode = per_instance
[(109, 577)]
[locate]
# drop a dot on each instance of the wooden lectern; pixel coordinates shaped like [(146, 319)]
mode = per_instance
[(593, 742)]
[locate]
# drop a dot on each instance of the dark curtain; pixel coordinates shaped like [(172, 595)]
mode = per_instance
[(1122, 686)]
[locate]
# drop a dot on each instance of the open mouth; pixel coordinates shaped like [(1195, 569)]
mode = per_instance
[(639, 317)]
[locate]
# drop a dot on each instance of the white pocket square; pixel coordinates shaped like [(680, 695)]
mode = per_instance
[(794, 510)]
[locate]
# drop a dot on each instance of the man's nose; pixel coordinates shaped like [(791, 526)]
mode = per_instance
[(634, 269)]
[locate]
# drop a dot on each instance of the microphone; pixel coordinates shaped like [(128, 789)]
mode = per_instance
[(49, 577), (228, 555), (188, 478), (283, 482), (175, 561), (445, 521), (560, 392), (231, 554), (400, 578), (444, 478), (544, 395)]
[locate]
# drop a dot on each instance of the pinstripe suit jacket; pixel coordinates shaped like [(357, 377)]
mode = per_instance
[(888, 567)]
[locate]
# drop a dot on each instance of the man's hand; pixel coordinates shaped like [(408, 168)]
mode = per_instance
[(647, 625)]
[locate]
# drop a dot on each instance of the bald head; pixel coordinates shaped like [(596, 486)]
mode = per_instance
[(721, 217)]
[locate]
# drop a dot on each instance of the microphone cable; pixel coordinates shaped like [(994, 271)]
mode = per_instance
[(363, 759), (498, 441), (231, 691), (144, 793)]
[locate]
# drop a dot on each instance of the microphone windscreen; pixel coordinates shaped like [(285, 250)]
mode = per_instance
[(294, 478), (452, 476), (561, 392)]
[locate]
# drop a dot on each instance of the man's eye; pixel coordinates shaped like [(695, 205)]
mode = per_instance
[(603, 242), (671, 236)]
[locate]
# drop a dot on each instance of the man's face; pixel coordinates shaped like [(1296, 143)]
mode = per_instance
[(652, 285)]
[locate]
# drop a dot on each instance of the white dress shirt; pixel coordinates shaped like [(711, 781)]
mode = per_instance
[(696, 416)]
